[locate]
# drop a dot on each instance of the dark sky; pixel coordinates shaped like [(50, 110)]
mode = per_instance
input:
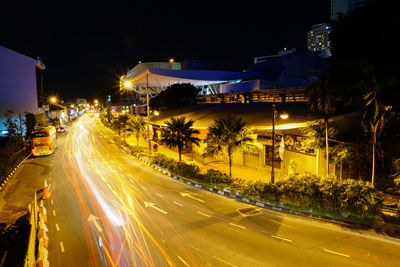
[(86, 47)]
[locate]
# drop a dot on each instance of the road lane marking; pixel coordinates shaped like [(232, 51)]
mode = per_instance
[(62, 247), (143, 187), (58, 228), (179, 204), (182, 260), (190, 196), (201, 213), (51, 201), (153, 206), (159, 195), (94, 219), (224, 261), (336, 253), (54, 212), (238, 225), (281, 238)]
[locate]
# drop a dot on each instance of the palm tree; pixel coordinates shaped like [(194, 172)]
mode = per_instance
[(322, 99), (137, 124), (373, 117), (228, 134), (179, 133)]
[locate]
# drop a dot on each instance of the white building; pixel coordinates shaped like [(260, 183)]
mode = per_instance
[(318, 40)]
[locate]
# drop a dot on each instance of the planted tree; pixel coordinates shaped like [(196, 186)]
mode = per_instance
[(137, 124), (228, 134), (175, 96), (30, 122), (322, 99), (179, 133)]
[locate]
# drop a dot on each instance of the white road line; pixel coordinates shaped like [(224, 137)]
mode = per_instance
[(62, 246), (159, 195), (58, 228), (337, 253), (238, 225), (143, 187), (54, 212), (51, 201), (224, 261), (201, 213), (281, 238), (182, 260), (179, 204)]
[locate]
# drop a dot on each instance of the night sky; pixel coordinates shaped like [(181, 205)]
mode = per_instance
[(86, 47)]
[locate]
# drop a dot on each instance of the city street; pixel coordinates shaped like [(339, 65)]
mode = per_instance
[(108, 209)]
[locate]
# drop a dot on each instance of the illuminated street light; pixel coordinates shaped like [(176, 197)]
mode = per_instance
[(171, 60), (72, 105), (53, 99), (127, 84), (156, 113), (282, 115), (96, 101)]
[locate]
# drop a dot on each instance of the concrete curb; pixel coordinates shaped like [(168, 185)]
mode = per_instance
[(5, 181)]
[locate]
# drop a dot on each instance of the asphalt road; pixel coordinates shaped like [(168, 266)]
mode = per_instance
[(108, 209)]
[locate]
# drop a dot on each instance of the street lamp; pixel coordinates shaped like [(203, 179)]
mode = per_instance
[(284, 116)]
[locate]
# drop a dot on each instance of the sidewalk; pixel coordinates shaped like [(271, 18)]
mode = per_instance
[(19, 192), (241, 172)]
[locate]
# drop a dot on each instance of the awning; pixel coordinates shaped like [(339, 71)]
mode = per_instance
[(161, 78)]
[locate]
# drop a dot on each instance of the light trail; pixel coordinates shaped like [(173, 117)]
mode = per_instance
[(104, 190)]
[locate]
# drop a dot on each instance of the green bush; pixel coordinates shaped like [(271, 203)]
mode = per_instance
[(349, 198), (178, 168), (216, 177), (354, 200)]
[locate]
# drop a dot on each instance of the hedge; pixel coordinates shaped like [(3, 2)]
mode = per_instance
[(351, 200)]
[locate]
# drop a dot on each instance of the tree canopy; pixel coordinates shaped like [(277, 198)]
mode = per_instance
[(176, 95)]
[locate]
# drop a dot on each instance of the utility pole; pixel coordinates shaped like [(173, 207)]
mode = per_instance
[(273, 145), (148, 112)]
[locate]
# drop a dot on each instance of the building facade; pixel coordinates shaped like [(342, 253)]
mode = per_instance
[(21, 85), (318, 40)]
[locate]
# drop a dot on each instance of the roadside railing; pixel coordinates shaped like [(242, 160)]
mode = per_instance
[(30, 257)]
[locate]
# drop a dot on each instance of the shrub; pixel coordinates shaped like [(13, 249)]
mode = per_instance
[(216, 177), (178, 168)]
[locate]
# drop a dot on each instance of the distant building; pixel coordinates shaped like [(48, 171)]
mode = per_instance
[(21, 85), (344, 6), (318, 40)]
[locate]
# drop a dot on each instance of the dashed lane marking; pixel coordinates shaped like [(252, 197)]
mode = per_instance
[(51, 201), (281, 238), (239, 226), (201, 213), (159, 195), (224, 261), (182, 260), (54, 212), (58, 228), (62, 247), (336, 253), (177, 203)]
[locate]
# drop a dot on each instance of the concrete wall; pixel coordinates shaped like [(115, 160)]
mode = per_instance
[(18, 90)]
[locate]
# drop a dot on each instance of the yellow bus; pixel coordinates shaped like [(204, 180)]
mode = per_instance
[(44, 141)]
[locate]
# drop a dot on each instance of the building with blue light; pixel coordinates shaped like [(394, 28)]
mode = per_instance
[(21, 85)]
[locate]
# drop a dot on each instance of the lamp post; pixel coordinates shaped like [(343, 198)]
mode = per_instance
[(282, 115)]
